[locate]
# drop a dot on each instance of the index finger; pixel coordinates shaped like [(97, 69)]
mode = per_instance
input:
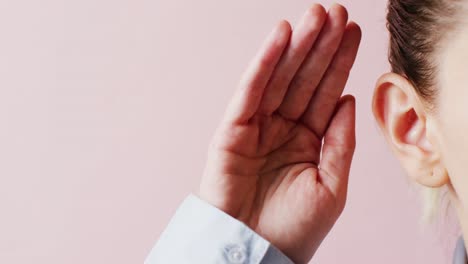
[(248, 95)]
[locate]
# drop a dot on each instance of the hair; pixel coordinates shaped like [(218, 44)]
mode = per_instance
[(419, 30)]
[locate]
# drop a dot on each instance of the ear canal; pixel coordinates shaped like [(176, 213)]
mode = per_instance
[(415, 131), (412, 128)]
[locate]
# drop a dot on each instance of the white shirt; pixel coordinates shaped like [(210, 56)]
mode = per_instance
[(201, 233), (459, 256)]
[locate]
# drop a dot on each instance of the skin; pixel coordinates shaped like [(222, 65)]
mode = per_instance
[(453, 123), (432, 144), (264, 161)]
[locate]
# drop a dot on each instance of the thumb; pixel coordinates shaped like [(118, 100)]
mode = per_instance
[(338, 148)]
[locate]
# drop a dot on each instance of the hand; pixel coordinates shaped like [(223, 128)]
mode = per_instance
[(264, 163)]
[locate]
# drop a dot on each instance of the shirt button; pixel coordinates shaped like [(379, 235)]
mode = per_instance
[(237, 254)]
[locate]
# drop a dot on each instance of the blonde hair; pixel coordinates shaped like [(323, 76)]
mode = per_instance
[(431, 203), (435, 204)]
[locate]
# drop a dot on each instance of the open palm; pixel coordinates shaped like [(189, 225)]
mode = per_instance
[(266, 163)]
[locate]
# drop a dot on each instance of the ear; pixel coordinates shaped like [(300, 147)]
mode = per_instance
[(402, 118)]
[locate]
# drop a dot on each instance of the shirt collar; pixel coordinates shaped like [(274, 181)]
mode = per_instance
[(460, 256)]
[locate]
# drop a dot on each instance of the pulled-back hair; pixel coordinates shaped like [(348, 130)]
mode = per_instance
[(418, 30)]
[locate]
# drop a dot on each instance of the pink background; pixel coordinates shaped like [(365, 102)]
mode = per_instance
[(107, 108)]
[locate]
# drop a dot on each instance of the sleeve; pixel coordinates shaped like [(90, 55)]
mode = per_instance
[(202, 233)]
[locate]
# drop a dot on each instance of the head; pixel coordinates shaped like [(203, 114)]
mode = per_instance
[(422, 104)]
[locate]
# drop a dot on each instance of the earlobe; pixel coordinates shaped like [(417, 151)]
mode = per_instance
[(437, 178), (402, 118)]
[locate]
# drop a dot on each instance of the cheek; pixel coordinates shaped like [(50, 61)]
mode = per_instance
[(453, 138), (453, 113)]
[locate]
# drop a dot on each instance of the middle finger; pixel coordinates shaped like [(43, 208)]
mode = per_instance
[(302, 39), (311, 72)]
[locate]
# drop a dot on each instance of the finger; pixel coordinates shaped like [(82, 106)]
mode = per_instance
[(323, 102), (338, 148), (253, 82), (302, 39), (313, 68)]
